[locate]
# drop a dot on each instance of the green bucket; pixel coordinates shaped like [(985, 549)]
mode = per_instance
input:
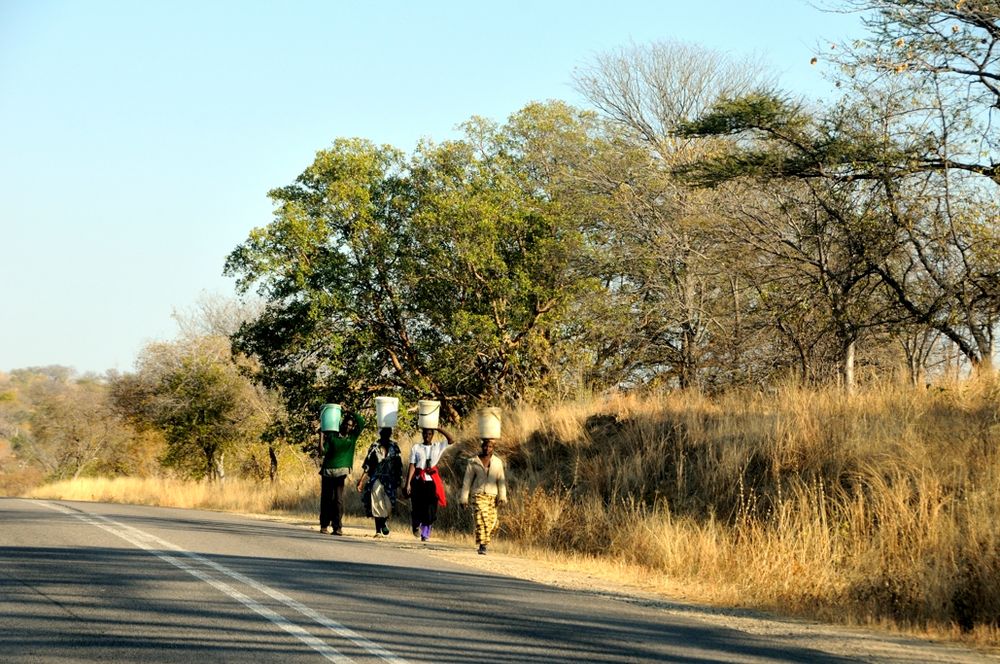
[(329, 417)]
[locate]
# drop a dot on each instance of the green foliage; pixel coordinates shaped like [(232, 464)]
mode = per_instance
[(777, 138), (444, 275), (764, 110), (195, 396)]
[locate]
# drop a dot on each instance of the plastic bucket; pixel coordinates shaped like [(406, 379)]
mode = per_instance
[(489, 422), (427, 413), (329, 417), (386, 411)]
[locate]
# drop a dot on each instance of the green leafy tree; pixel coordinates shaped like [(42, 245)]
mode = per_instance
[(443, 275), (194, 394)]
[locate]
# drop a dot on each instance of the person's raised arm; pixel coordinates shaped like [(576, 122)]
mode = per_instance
[(447, 436), (357, 425)]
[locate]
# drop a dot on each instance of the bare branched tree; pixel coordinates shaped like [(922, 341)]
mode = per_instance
[(650, 89), (674, 301)]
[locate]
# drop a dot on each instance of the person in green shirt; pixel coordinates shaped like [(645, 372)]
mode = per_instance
[(337, 448)]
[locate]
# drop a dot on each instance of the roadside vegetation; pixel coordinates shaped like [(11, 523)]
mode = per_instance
[(787, 310), (873, 508)]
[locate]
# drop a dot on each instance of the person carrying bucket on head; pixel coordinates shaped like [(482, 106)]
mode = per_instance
[(423, 482), (485, 481), (338, 437), (382, 469)]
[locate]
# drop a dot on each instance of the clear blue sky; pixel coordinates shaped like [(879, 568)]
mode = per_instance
[(138, 140)]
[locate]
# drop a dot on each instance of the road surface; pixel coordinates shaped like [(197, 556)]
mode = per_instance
[(87, 582)]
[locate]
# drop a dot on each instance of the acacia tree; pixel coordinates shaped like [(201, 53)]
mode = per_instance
[(441, 275), (946, 55), (943, 60), (932, 251), (827, 223)]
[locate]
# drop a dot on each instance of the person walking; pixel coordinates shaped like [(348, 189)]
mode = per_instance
[(486, 483), (337, 448), (423, 482), (381, 477)]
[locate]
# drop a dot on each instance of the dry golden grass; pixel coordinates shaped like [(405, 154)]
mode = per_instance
[(869, 508), (873, 508), (292, 497)]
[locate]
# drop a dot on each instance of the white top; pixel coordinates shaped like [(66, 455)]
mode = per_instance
[(425, 456)]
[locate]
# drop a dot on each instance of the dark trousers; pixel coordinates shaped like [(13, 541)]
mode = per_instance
[(414, 520), (331, 502), (423, 502)]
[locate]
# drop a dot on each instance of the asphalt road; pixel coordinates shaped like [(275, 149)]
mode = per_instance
[(86, 582)]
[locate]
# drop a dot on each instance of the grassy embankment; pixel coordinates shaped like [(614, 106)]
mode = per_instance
[(875, 508)]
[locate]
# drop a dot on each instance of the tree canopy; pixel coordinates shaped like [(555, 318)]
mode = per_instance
[(443, 275)]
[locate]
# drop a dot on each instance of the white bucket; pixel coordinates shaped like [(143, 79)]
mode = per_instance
[(489, 422), (386, 411), (427, 413)]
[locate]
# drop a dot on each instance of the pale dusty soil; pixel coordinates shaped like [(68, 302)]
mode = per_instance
[(866, 645)]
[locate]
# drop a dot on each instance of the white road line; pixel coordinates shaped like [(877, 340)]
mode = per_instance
[(316, 644), (332, 625), (141, 540)]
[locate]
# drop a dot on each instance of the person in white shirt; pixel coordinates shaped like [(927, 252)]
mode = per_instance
[(423, 482), (485, 481)]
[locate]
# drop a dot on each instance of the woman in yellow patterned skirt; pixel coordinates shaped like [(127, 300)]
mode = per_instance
[(485, 482)]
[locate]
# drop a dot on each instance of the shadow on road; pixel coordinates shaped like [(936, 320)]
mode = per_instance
[(126, 603)]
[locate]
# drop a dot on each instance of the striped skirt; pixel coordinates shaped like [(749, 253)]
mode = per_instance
[(485, 515)]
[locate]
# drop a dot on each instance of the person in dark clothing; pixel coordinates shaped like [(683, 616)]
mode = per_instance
[(337, 448), (381, 479)]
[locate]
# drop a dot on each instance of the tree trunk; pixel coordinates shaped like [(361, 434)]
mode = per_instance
[(983, 364), (689, 365), (209, 463), (215, 469), (274, 462), (847, 366), (916, 369)]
